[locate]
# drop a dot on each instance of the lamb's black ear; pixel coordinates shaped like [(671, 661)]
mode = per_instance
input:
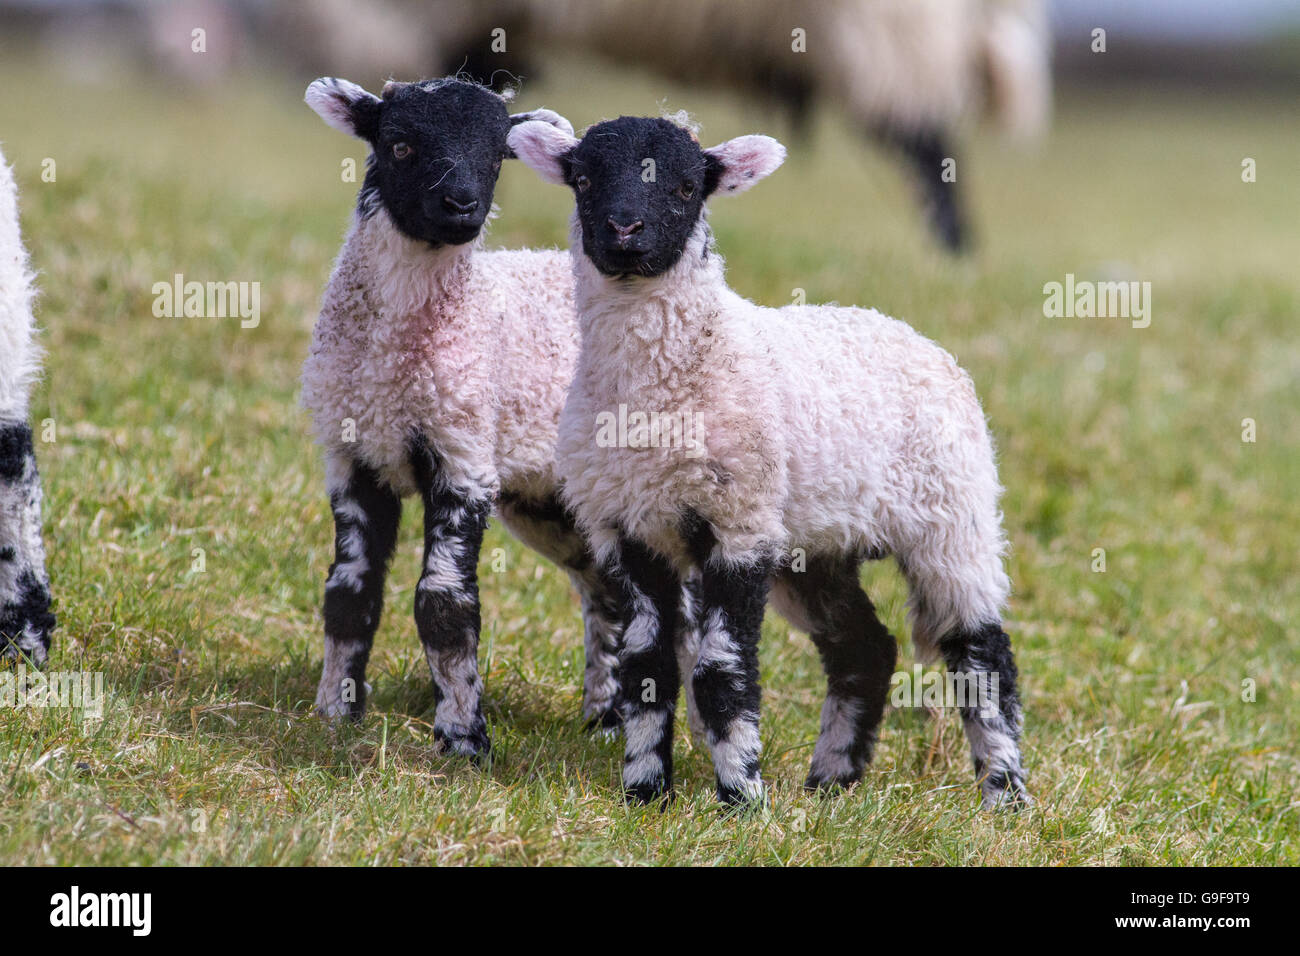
[(541, 116), (345, 106)]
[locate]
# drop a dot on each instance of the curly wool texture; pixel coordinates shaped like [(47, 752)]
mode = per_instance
[(20, 356), (472, 349), (827, 429)]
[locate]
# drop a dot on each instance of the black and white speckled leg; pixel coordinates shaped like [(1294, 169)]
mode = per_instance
[(732, 598), (688, 653), (546, 527), (993, 731), (25, 619), (648, 675), (366, 517), (447, 605), (858, 655)]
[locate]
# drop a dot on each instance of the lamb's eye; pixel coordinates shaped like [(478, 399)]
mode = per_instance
[(496, 167), (686, 190), (582, 183), (401, 151)]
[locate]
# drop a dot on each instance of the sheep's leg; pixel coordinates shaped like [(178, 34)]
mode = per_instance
[(602, 627), (25, 619), (925, 151), (550, 531), (980, 659), (858, 654), (447, 605), (732, 597), (648, 672), (688, 653), (366, 516)]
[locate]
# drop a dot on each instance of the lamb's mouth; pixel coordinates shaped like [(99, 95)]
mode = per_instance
[(626, 264), (458, 235)]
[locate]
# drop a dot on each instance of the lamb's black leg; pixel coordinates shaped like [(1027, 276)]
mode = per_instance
[(925, 150), (25, 618), (980, 659), (732, 598), (447, 605), (366, 516), (648, 676), (858, 654), (546, 527)]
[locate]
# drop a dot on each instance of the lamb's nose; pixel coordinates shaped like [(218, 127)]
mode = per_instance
[(459, 208), (625, 232)]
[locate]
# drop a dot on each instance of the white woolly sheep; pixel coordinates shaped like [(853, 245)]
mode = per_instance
[(836, 433), (906, 71), (439, 369), (25, 619)]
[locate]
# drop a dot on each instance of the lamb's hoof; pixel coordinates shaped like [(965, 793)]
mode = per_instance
[(749, 797), (1005, 792), (655, 792), (25, 638), (331, 706), (604, 725), (830, 786), (460, 741)]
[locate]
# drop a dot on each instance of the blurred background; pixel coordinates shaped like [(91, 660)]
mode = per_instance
[(1246, 41)]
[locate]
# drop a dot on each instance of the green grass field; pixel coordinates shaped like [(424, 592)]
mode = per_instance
[(179, 434)]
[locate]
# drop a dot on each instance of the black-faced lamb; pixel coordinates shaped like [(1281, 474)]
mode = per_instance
[(25, 619), (439, 369), (836, 434)]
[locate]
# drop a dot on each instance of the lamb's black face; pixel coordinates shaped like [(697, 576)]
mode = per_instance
[(438, 149), (640, 185)]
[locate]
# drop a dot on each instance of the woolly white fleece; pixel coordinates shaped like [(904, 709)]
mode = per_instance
[(473, 349), (20, 356), (824, 428)]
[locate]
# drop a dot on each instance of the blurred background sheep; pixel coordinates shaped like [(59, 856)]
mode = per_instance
[(904, 71), (912, 75)]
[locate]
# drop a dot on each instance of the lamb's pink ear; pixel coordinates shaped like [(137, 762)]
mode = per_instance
[(739, 163), (542, 146), (542, 116), (345, 106)]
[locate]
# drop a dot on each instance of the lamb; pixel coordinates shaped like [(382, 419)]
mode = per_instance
[(25, 619), (830, 436), (439, 369)]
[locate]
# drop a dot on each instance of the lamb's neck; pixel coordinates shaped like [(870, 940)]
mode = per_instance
[(647, 330), (413, 278)]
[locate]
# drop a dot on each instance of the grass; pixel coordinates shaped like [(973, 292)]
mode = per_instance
[(179, 434)]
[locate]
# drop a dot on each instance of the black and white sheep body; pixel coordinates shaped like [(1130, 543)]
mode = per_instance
[(25, 619), (827, 435), (439, 369)]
